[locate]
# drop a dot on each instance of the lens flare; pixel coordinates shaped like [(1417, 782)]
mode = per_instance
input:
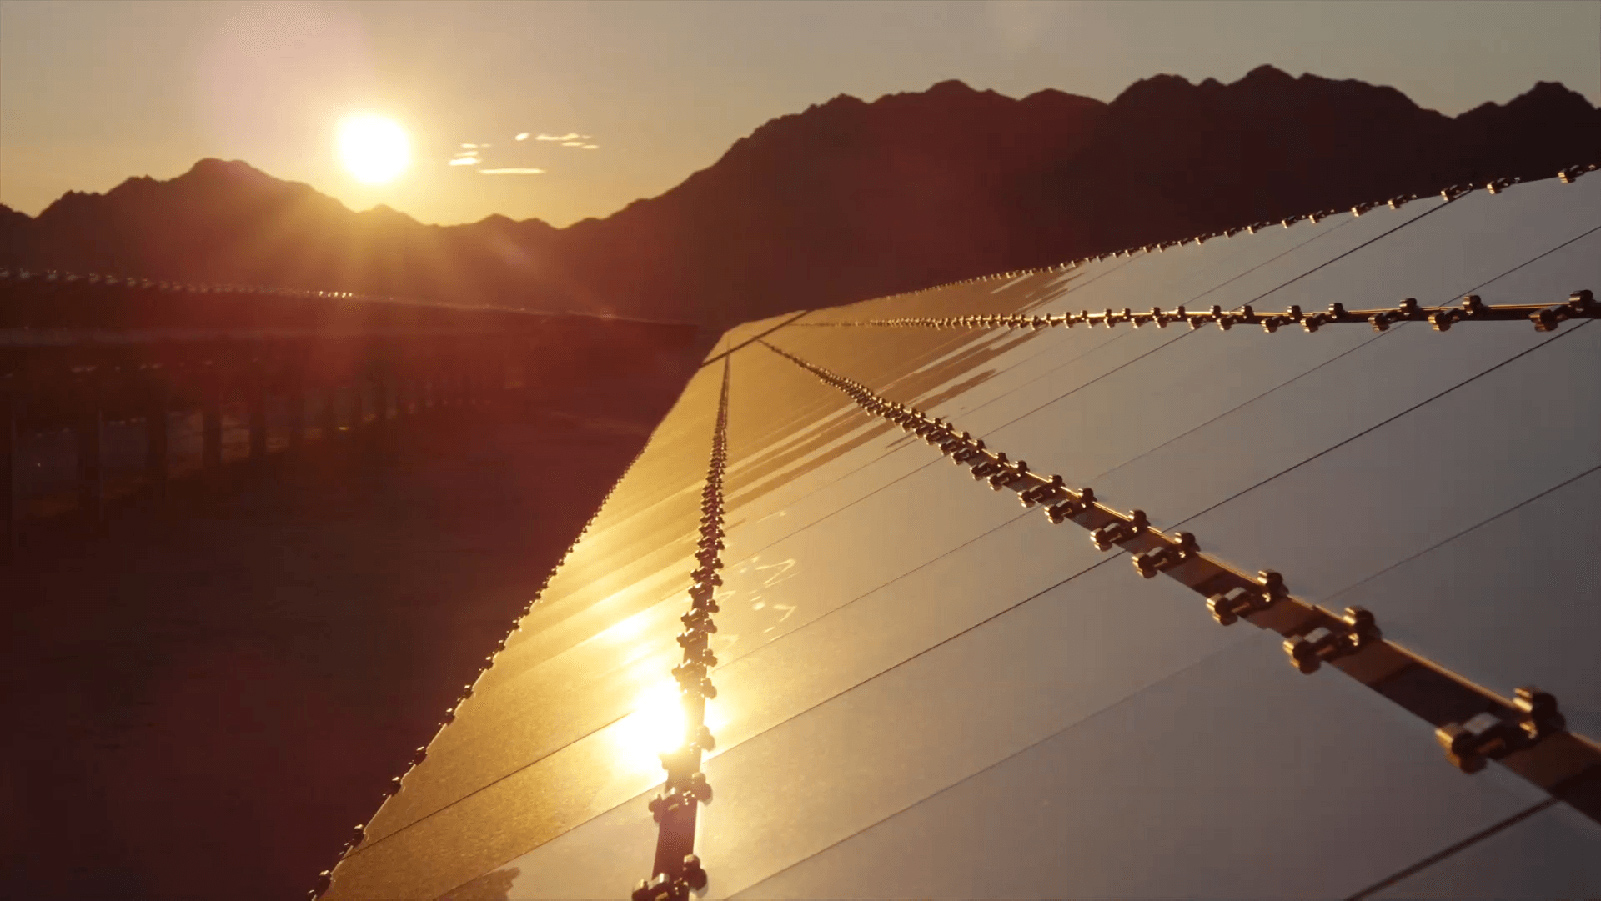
[(374, 149)]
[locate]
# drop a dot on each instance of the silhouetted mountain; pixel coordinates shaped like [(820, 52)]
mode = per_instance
[(846, 200), (226, 222)]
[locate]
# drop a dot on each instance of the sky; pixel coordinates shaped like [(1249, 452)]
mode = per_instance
[(619, 101)]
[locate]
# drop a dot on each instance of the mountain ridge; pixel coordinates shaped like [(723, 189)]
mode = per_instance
[(844, 200)]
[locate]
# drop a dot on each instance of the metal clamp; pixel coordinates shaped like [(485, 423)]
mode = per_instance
[(990, 466), (1345, 636), (954, 443), (1043, 492), (663, 887), (1491, 736), (1071, 507), (969, 451), (1011, 475), (1580, 303), (1121, 531), (1162, 559), (1228, 607)]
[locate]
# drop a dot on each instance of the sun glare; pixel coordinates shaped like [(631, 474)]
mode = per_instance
[(657, 724), (655, 727), (373, 149)]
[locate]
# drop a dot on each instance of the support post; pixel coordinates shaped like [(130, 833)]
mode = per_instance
[(91, 459), (328, 415), (256, 405), (157, 467), (382, 432), (10, 468), (297, 411), (380, 398), (211, 427), (403, 394), (358, 413)]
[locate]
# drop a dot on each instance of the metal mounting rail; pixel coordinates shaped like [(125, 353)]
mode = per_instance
[(1526, 733), (1546, 317), (677, 870)]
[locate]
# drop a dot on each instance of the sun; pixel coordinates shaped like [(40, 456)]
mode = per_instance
[(373, 148)]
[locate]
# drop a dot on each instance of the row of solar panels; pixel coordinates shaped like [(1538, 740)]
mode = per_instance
[(925, 689)]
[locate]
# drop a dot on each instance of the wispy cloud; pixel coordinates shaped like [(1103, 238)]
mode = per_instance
[(492, 162)]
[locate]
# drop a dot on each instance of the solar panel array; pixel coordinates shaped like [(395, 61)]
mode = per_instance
[(924, 688)]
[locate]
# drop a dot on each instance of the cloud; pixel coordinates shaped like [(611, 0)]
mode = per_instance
[(591, 146), (464, 161), (469, 146), (570, 136), (521, 136), (512, 171), (572, 143)]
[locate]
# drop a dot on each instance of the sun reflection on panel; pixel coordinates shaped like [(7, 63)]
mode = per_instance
[(629, 630), (655, 727)]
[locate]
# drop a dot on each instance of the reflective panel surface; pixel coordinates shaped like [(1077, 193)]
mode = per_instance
[(924, 689)]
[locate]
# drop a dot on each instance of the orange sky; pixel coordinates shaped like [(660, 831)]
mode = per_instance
[(92, 93)]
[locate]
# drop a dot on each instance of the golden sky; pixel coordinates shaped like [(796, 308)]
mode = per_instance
[(618, 101)]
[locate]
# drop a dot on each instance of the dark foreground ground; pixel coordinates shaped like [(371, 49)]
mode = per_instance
[(202, 705)]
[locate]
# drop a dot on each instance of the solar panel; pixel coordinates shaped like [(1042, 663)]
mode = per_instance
[(926, 688)]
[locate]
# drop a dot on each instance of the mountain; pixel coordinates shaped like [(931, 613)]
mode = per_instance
[(845, 200), (226, 222)]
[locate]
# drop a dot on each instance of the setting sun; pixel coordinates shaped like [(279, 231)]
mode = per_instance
[(374, 149)]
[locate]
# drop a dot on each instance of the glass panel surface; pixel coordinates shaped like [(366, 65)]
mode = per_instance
[(784, 423), (574, 664), (825, 493), (1556, 853), (926, 365), (1463, 247), (908, 706), (1236, 777), (987, 295), (1426, 475), (1242, 269), (1381, 377), (1105, 634), (975, 727), (1514, 602), (803, 576), (1474, 239), (747, 331)]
